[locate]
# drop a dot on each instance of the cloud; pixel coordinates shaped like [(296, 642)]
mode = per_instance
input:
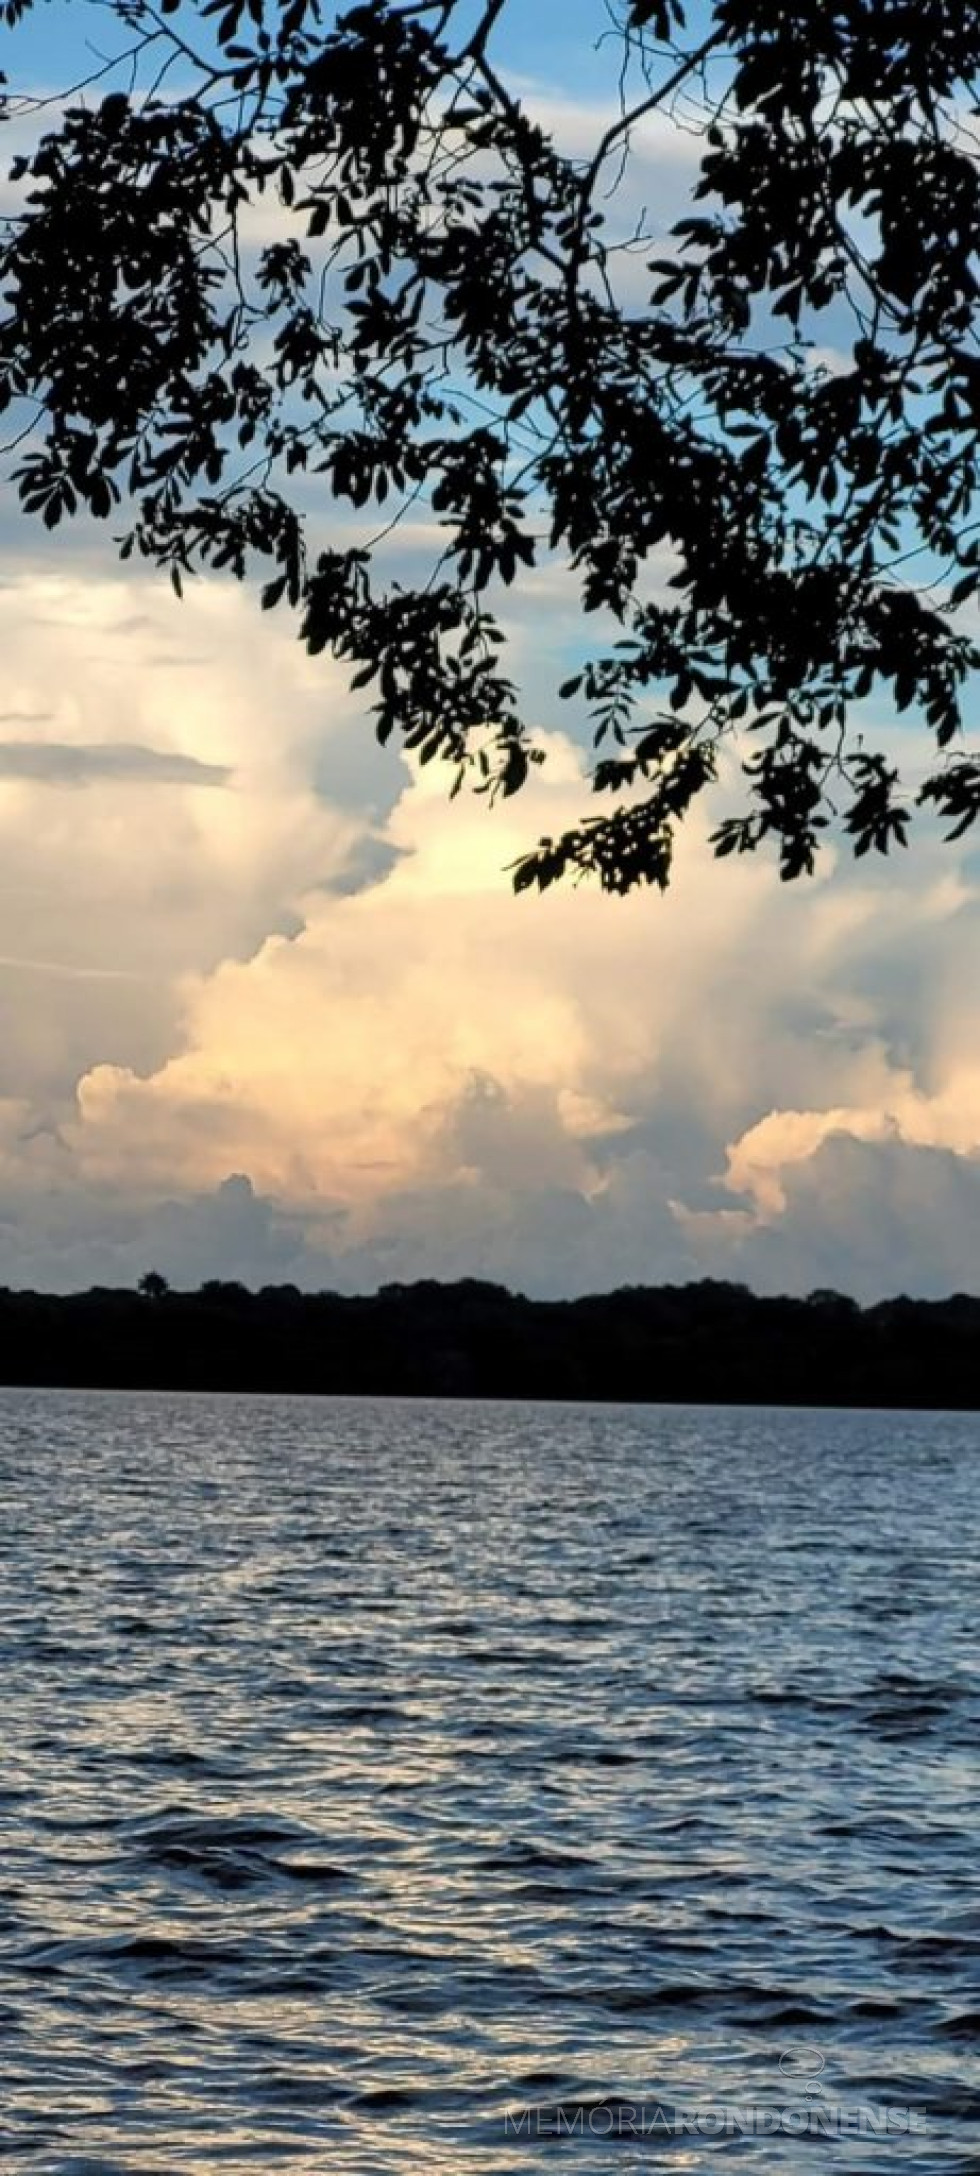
[(80, 763), (432, 1077), (72, 1242), (314, 981), (865, 1195), (110, 897), (871, 1216)]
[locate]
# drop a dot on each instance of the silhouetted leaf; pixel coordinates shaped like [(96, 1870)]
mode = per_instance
[(437, 327)]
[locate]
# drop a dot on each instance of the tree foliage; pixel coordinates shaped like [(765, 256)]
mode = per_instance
[(709, 1341), (280, 275)]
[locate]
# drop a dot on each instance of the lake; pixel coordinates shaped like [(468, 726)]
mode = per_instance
[(440, 1786)]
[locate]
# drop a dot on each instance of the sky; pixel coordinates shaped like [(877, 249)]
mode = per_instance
[(270, 1010)]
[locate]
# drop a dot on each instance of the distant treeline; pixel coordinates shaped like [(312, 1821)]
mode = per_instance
[(709, 1342)]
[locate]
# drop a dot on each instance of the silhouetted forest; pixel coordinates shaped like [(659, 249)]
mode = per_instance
[(708, 1342)]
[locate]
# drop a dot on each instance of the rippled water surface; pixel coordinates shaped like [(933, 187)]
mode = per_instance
[(375, 1772)]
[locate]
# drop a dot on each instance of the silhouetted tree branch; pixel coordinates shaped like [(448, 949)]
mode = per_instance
[(760, 468)]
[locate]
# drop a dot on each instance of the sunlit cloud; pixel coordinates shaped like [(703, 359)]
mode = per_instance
[(272, 1009)]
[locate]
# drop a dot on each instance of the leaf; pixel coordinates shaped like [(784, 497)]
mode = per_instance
[(439, 326)]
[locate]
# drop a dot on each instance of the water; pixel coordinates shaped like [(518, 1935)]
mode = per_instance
[(372, 1772)]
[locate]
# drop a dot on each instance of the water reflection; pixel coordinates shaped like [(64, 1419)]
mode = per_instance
[(373, 1770)]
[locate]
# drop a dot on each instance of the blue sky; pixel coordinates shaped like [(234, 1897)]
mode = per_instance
[(570, 45), (269, 1009)]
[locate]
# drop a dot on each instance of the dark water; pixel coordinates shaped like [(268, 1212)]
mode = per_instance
[(370, 1771)]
